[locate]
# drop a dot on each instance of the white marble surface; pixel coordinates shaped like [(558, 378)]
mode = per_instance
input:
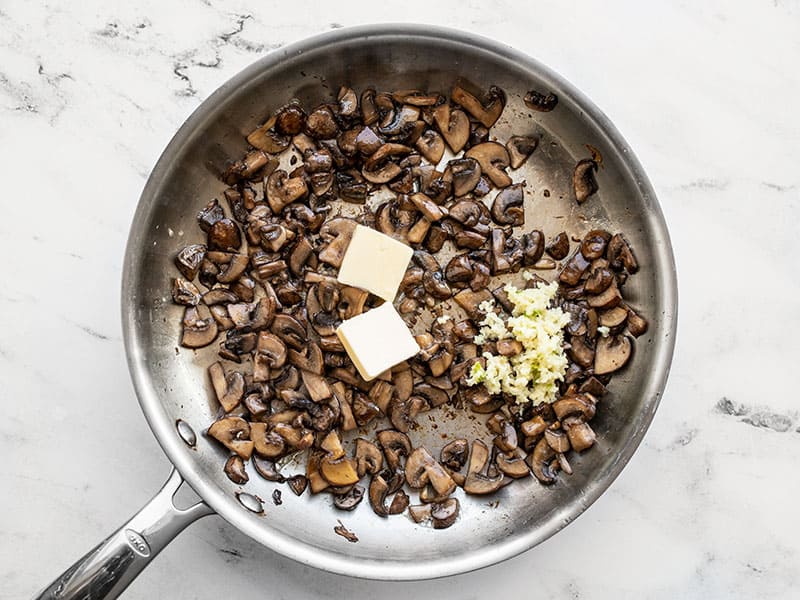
[(706, 93)]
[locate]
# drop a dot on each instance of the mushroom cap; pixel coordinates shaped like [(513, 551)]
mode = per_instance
[(507, 207), (493, 158), (584, 183), (611, 354)]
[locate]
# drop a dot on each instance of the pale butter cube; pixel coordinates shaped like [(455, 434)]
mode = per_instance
[(377, 340), (375, 262)]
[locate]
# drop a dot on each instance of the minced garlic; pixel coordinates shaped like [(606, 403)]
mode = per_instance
[(531, 375)]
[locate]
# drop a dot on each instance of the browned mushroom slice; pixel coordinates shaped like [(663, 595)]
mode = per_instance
[(539, 461), (234, 469), (594, 387), (189, 259), (509, 347), (321, 124), (234, 269), (494, 159), (573, 271), (199, 327), (558, 247), (487, 114), (289, 330), (637, 325), (599, 281), (378, 490), (581, 352), (224, 235), (609, 298), (338, 471), (594, 243), (620, 254), (431, 145), (507, 207), (290, 118), (611, 354), (228, 388), (520, 147), (281, 190), (316, 385), (298, 484), (477, 481), (420, 512), (581, 435), (613, 317), (398, 124), (266, 443), (533, 427), (378, 169), (266, 468), (431, 210), (349, 500), (465, 173), (470, 301), (396, 446), (573, 404), (459, 269), (444, 514), (209, 215), (584, 183), (454, 126), (481, 401), (337, 233), (532, 247), (541, 102), (234, 434), (514, 467), (368, 456), (185, 292), (557, 440), (421, 468), (454, 454)]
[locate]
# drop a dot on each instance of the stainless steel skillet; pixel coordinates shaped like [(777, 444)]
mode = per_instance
[(171, 384)]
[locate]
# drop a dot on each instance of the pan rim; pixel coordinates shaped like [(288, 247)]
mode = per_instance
[(163, 428)]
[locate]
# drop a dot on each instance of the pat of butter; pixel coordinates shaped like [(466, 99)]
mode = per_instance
[(375, 262), (377, 340)]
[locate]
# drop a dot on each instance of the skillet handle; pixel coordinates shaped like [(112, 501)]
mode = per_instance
[(111, 566)]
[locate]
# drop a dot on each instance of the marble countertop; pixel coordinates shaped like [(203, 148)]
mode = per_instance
[(706, 94)]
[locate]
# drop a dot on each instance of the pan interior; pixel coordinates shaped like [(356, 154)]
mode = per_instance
[(172, 383)]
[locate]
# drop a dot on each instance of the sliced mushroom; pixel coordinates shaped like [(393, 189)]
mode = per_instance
[(539, 461), (185, 292), (466, 172), (321, 124), (514, 467), (234, 434), (470, 301), (224, 235), (481, 401), (520, 147), (581, 435), (266, 443), (584, 183), (620, 254), (298, 484), (420, 512), (608, 298), (444, 514), (613, 317), (611, 354), (532, 247), (396, 446), (541, 102), (598, 281), (281, 190), (581, 352), (289, 330), (431, 145), (454, 126), (349, 500), (637, 325), (267, 469), (494, 159), (454, 454), (234, 469), (487, 114), (378, 169), (378, 490), (558, 247), (199, 327), (338, 471), (337, 232), (234, 269), (209, 215), (189, 259), (594, 243), (573, 404), (557, 440), (369, 458), (477, 481), (507, 207), (290, 119), (509, 347), (229, 389)]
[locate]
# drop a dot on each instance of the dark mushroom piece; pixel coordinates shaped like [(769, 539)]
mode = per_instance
[(507, 207), (532, 247), (431, 145), (337, 232), (557, 440), (369, 458), (611, 354), (298, 484), (281, 190), (420, 512), (573, 404), (477, 481), (349, 500), (493, 158), (289, 330), (444, 514), (224, 235), (613, 317), (189, 259), (470, 301), (581, 435), (573, 271), (199, 327), (234, 469), (290, 119), (454, 126), (581, 352), (234, 434), (267, 469), (540, 102), (594, 243), (228, 388), (558, 247), (321, 124), (396, 446), (637, 325), (620, 254), (185, 292), (268, 444), (514, 467), (540, 462), (422, 468), (454, 454), (520, 147), (266, 139), (234, 269), (459, 269), (378, 169), (209, 215), (486, 114), (598, 281), (584, 183), (608, 298), (466, 172)]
